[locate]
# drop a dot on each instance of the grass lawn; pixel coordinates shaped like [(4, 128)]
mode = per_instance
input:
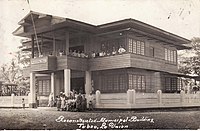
[(46, 118)]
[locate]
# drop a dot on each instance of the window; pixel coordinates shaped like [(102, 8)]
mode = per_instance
[(137, 82), (166, 54), (175, 58), (113, 83), (44, 87), (135, 46), (142, 48), (151, 51), (138, 47), (130, 45), (170, 56), (171, 85)]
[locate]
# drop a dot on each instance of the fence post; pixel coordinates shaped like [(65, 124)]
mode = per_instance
[(98, 97), (29, 98), (129, 97), (12, 99), (182, 93), (134, 99), (159, 94)]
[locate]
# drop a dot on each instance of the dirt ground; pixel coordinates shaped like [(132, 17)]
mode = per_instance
[(50, 118)]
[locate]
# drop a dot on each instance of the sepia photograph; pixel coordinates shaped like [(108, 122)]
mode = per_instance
[(99, 64)]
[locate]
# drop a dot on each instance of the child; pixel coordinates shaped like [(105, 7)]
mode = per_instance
[(58, 102), (23, 103), (90, 103)]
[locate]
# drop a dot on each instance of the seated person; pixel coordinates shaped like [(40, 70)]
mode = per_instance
[(121, 50), (102, 53), (107, 53), (114, 52), (79, 54), (70, 52), (82, 54), (74, 53), (93, 54)]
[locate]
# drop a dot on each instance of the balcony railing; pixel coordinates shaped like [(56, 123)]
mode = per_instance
[(43, 63), (50, 63)]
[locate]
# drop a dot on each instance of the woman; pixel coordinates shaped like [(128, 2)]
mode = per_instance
[(50, 104), (62, 102)]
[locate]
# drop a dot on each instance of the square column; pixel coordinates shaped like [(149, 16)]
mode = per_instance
[(67, 83), (32, 95), (53, 84), (88, 82)]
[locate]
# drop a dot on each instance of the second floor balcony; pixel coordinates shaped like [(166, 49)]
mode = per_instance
[(45, 63), (124, 60)]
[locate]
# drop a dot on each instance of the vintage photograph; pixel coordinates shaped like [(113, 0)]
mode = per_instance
[(99, 64)]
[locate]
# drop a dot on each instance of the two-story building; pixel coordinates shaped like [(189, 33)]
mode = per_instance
[(112, 58)]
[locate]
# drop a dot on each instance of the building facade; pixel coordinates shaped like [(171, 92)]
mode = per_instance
[(112, 58)]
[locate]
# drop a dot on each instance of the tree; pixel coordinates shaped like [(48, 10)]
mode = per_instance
[(189, 60), (12, 72)]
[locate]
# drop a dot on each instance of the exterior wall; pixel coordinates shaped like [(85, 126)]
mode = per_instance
[(152, 83), (94, 43), (101, 80)]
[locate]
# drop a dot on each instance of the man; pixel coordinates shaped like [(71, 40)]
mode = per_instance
[(121, 50), (78, 102)]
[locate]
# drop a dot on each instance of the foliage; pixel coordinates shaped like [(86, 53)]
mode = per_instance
[(12, 72), (189, 63)]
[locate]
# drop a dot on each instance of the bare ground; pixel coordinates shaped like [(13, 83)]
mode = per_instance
[(48, 118)]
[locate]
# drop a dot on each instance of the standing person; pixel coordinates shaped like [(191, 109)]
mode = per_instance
[(50, 104), (58, 102), (78, 102), (90, 101), (23, 103), (84, 103), (62, 102)]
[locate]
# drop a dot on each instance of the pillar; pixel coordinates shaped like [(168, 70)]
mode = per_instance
[(32, 102), (53, 84), (88, 82), (67, 42), (32, 49), (54, 44), (67, 84)]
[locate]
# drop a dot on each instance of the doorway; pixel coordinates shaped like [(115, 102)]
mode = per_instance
[(78, 84)]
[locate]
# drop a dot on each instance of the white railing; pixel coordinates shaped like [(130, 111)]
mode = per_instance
[(13, 101), (131, 99)]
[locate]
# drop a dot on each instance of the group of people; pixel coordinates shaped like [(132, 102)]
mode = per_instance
[(121, 50), (80, 54), (73, 102)]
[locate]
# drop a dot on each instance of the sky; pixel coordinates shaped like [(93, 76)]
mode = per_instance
[(181, 17)]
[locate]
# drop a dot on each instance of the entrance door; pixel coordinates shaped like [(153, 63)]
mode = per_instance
[(78, 84)]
